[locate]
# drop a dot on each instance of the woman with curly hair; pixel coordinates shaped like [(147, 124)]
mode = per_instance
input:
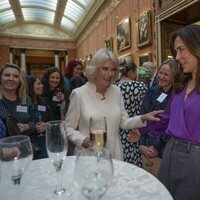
[(54, 92)]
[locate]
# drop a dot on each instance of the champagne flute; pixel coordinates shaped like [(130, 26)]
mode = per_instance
[(93, 172), (149, 163), (15, 154), (98, 131), (56, 144), (58, 91)]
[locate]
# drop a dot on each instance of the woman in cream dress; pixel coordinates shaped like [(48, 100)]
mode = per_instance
[(100, 98)]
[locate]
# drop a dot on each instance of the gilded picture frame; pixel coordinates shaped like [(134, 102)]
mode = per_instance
[(144, 58), (123, 34), (144, 33), (109, 43)]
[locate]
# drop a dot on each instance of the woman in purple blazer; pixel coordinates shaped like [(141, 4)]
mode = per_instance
[(180, 166)]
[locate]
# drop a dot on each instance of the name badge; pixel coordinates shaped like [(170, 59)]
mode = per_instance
[(23, 109), (42, 108), (162, 97), (55, 98)]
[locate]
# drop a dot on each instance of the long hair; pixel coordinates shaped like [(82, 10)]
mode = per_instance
[(175, 67), (99, 59), (30, 82), (21, 91), (45, 79), (190, 36)]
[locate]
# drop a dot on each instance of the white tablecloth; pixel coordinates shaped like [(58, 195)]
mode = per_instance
[(39, 182)]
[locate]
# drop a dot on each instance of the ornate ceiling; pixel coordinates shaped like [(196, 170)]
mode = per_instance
[(51, 19)]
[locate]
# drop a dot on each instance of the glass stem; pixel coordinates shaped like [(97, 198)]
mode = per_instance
[(58, 166)]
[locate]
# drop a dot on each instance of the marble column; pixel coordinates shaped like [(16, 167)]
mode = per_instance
[(11, 56), (56, 57), (23, 59), (66, 58)]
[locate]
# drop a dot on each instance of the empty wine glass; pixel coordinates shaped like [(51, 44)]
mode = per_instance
[(93, 172), (56, 144), (15, 154), (98, 131)]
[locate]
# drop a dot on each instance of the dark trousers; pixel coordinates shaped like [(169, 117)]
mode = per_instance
[(180, 169)]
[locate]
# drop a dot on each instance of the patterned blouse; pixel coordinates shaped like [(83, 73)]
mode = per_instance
[(133, 94)]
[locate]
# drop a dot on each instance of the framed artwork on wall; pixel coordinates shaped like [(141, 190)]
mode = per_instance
[(123, 34), (144, 58), (144, 29), (109, 43), (125, 57)]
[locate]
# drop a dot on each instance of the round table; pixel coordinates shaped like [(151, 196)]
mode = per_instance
[(39, 181)]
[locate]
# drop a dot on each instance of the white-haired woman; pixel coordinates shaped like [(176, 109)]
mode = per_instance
[(100, 98)]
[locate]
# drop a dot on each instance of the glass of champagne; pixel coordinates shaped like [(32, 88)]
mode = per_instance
[(98, 131), (15, 154), (56, 144), (93, 172)]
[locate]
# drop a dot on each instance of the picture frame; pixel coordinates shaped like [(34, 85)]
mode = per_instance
[(125, 57), (144, 58), (109, 43), (144, 33), (167, 29), (123, 34)]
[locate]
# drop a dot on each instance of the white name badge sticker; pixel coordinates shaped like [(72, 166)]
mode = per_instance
[(161, 97), (42, 108), (55, 98), (23, 109)]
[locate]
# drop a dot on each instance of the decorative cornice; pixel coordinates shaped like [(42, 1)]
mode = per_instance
[(39, 31), (104, 12)]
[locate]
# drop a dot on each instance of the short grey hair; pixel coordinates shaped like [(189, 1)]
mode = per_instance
[(149, 64), (98, 60)]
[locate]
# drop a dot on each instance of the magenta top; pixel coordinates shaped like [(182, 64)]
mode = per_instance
[(181, 118)]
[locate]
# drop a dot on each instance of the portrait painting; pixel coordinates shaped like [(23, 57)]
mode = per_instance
[(123, 34), (144, 29), (109, 43), (125, 57), (144, 58)]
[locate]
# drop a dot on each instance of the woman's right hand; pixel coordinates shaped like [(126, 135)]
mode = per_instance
[(86, 143), (152, 116)]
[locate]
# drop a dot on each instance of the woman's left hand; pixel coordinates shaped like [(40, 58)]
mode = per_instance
[(60, 96), (134, 136), (152, 116)]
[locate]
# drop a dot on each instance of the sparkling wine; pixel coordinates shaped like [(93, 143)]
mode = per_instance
[(98, 138)]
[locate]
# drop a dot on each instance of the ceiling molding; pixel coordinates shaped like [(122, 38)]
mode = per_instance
[(18, 27)]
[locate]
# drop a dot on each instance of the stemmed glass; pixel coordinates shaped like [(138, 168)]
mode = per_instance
[(58, 91), (93, 172), (149, 163), (56, 144), (98, 131), (15, 154)]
